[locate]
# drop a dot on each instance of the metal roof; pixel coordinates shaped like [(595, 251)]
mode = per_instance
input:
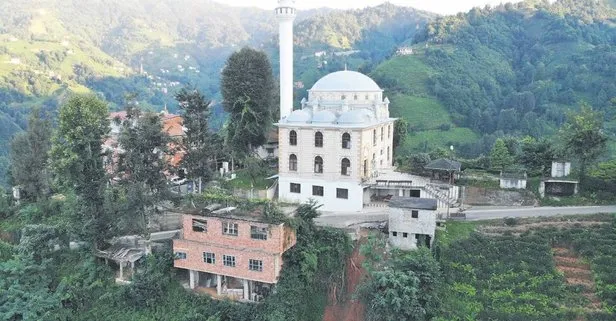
[(444, 165), (413, 203)]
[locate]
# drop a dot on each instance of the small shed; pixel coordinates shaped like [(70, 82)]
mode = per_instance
[(560, 183), (446, 170), (513, 180), (561, 169), (412, 222)]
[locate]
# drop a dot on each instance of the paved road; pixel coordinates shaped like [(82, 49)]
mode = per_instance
[(476, 214), (342, 220)]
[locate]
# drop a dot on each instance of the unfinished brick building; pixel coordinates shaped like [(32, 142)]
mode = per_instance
[(231, 253)]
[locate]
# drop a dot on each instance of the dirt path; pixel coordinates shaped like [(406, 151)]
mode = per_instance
[(577, 273), (348, 309)]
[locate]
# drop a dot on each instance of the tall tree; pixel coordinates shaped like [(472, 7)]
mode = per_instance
[(401, 129), (197, 144), (248, 90), (78, 162), (583, 137), (537, 155), (144, 164), (29, 155), (500, 157)]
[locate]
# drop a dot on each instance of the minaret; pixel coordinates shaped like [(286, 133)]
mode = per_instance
[(285, 13)]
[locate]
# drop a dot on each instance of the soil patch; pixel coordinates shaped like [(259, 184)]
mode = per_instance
[(577, 272), (525, 227), (348, 309), (497, 197)]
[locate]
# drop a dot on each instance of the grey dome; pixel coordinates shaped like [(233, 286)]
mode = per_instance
[(299, 116), (358, 116), (324, 116), (346, 81)]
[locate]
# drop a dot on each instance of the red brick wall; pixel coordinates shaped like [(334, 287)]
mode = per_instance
[(280, 238), (194, 261)]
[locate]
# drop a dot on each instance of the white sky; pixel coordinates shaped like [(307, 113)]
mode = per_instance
[(438, 6)]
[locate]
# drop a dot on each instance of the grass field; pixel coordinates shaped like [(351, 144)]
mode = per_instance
[(421, 113), (424, 141), (407, 74)]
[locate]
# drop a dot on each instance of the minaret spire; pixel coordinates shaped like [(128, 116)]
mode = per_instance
[(285, 13)]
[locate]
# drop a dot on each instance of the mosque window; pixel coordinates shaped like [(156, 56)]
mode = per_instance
[(367, 97), (382, 133), (343, 97), (388, 157), (318, 139), (389, 131), (318, 165), (346, 141), (293, 163), (346, 167), (365, 167), (355, 97), (374, 137), (293, 138)]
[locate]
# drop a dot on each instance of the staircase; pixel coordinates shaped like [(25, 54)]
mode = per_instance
[(442, 196)]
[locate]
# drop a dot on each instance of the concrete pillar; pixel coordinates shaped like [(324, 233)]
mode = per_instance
[(218, 284), (246, 292), (121, 270), (194, 278)]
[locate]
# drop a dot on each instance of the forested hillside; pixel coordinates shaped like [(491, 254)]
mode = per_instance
[(49, 49), (509, 70)]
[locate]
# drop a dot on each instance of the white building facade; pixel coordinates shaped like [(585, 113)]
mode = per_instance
[(339, 140), (412, 222), (337, 148)]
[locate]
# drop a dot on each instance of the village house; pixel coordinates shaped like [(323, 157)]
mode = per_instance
[(232, 253), (412, 222)]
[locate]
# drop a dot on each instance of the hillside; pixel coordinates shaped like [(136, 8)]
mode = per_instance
[(508, 70), (51, 48)]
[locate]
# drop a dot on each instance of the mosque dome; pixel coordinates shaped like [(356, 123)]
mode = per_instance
[(346, 81), (324, 117), (299, 116), (357, 116)]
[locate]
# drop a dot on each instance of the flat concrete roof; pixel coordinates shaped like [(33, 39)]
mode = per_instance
[(413, 203)]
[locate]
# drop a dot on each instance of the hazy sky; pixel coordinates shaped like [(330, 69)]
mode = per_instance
[(438, 6)]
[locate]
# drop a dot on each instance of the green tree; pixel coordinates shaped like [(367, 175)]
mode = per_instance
[(404, 288), (537, 155), (78, 162), (144, 164), (500, 157), (29, 155), (401, 129), (197, 143), (248, 90), (583, 137)]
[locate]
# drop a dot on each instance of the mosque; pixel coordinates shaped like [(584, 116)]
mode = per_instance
[(337, 149)]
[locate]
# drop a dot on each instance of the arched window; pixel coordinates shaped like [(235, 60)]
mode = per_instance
[(382, 131), (355, 97), (365, 167), (318, 139), (346, 141), (389, 131), (318, 165), (293, 163), (388, 157), (374, 137), (345, 167), (293, 138)]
